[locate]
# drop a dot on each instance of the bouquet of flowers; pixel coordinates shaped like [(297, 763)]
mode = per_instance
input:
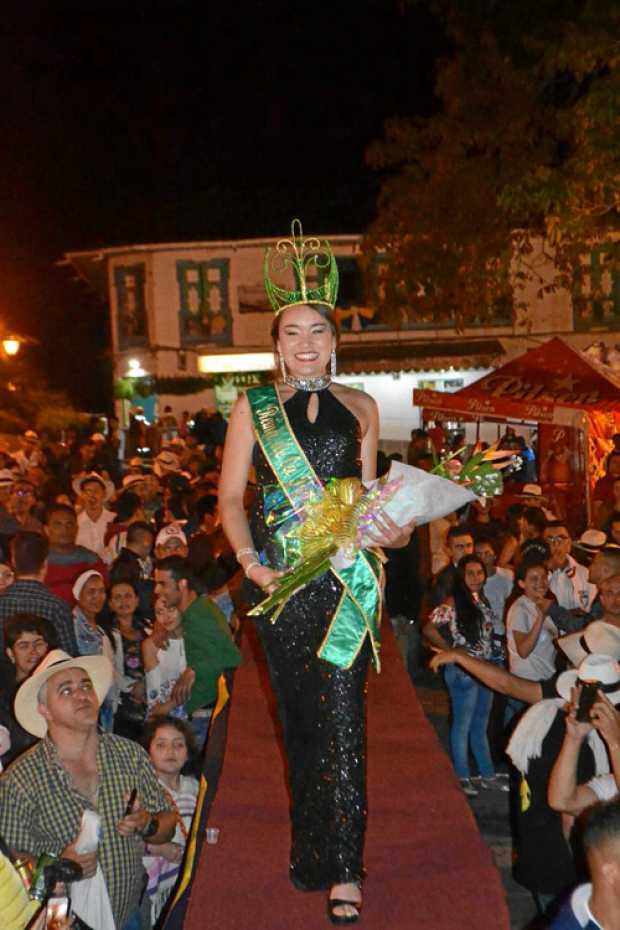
[(332, 528)]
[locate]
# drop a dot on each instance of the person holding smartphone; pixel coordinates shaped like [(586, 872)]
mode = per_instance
[(565, 793)]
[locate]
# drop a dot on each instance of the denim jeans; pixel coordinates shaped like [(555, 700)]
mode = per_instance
[(513, 708), (200, 729), (471, 705)]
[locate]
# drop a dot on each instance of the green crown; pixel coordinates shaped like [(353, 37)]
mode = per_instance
[(305, 258)]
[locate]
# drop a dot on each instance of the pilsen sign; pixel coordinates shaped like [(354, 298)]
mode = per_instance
[(480, 408), (552, 383), (566, 390)]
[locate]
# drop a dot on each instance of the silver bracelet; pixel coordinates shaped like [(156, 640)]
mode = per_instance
[(247, 550), (247, 568)]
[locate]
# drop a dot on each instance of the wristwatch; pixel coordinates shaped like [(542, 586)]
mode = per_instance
[(151, 828)]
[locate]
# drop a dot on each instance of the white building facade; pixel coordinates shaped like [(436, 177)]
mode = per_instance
[(180, 311)]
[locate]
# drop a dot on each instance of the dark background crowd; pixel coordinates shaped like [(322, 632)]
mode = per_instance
[(123, 556)]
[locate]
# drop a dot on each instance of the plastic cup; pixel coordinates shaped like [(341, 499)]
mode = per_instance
[(213, 835)]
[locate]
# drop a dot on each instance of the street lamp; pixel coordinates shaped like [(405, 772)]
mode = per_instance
[(11, 345)]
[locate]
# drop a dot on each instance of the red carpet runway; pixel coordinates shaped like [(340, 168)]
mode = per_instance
[(428, 868)]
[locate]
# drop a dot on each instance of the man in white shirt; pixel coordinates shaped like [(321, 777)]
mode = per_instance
[(567, 579), (30, 453), (565, 795), (94, 518), (594, 906)]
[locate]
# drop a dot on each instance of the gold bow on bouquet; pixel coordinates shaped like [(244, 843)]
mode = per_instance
[(331, 522)]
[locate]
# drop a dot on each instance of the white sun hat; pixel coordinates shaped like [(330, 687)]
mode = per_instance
[(604, 670), (98, 668)]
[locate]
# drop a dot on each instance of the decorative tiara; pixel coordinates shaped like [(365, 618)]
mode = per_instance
[(304, 258)]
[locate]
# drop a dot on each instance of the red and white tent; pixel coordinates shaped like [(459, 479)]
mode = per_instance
[(552, 384)]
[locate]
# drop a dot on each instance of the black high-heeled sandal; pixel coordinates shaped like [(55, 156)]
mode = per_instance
[(342, 919)]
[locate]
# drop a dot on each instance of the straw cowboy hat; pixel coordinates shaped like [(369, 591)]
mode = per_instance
[(79, 482), (598, 638), (532, 492), (599, 668), (129, 481), (98, 668), (592, 541), (166, 463)]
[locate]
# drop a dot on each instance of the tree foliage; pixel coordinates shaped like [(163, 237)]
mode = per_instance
[(27, 402), (524, 145)]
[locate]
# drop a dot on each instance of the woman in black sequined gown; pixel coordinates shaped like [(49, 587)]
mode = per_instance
[(321, 706)]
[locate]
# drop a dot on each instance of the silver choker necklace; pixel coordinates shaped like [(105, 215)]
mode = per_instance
[(308, 384)]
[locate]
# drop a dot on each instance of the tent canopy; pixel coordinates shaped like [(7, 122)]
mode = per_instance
[(552, 383)]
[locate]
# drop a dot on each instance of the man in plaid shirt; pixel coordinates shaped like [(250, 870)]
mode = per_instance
[(74, 769), (28, 594)]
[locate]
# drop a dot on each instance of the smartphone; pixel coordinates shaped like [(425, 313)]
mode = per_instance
[(57, 911), (587, 699), (131, 802)]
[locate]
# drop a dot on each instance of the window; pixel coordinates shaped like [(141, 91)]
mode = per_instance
[(131, 305), (596, 297), (204, 314)]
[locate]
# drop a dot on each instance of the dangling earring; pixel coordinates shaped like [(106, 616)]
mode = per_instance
[(332, 363), (282, 368)]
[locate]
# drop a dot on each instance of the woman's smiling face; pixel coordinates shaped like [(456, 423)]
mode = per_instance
[(534, 585), (305, 341)]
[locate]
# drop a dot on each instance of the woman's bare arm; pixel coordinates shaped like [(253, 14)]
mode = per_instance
[(233, 481), (493, 676), (236, 463), (431, 633), (526, 642), (370, 441)]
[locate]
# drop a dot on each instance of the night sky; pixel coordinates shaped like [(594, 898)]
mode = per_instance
[(146, 122)]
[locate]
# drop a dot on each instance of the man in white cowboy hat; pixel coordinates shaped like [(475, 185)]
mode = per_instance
[(30, 452), (565, 793), (544, 862), (568, 580), (544, 865), (589, 544), (74, 769), (596, 904), (94, 517), (532, 496)]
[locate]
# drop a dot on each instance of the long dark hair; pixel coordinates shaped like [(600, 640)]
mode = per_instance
[(469, 617)]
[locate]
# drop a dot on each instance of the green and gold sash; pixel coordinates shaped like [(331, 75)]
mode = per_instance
[(358, 613)]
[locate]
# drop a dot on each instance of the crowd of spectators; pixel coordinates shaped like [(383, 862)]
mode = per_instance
[(523, 620), (118, 608), (118, 597)]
